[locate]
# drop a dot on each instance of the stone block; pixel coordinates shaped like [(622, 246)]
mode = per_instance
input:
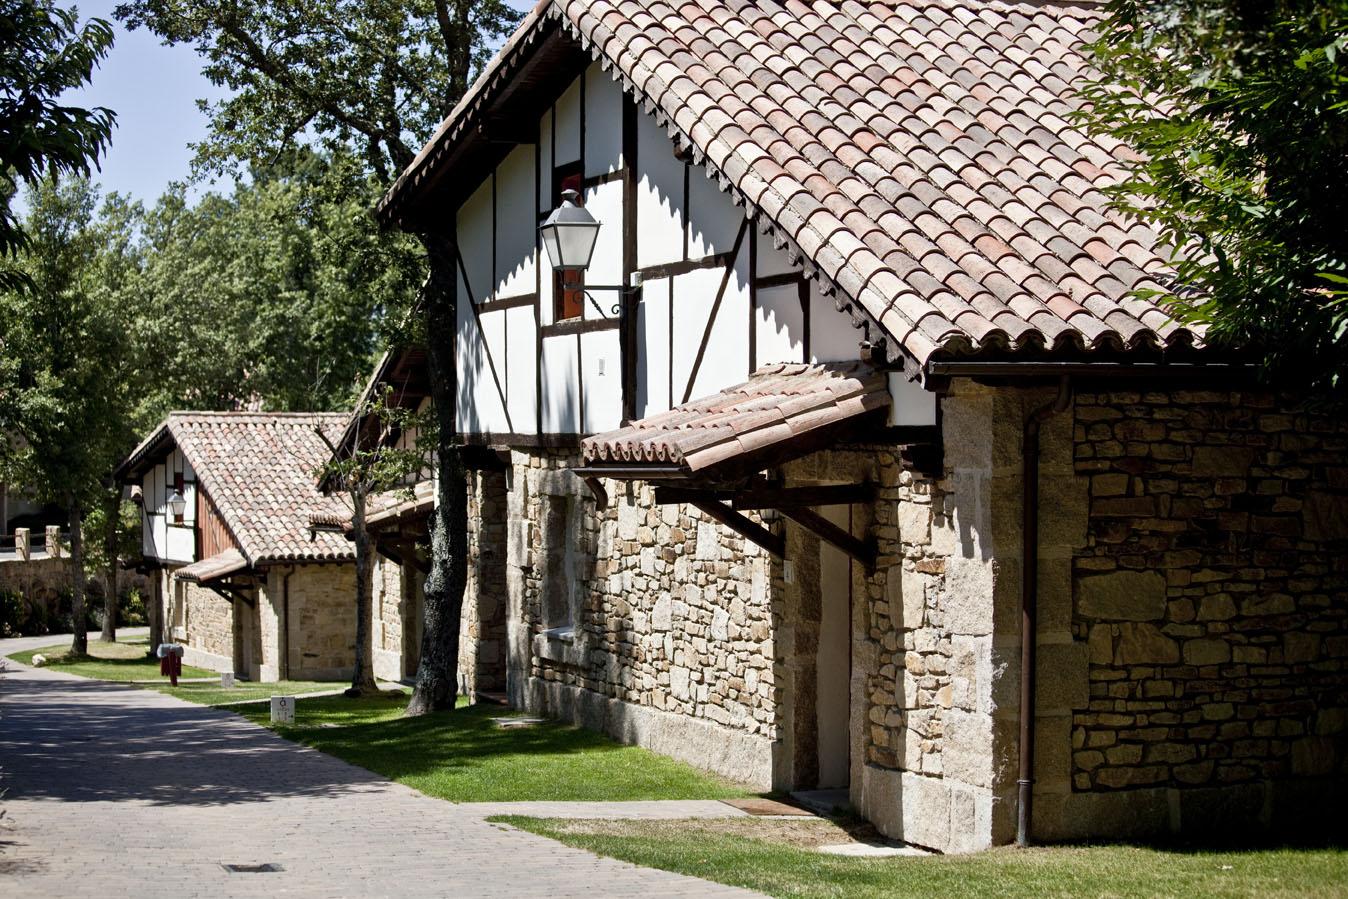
[(1061, 681), (1122, 596), (1325, 517), (1218, 607), (968, 596), (926, 811), (967, 748), (1222, 461), (1141, 643), (914, 523), (1206, 652)]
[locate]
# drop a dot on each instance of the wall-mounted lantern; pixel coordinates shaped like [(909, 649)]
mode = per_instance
[(177, 504), (569, 234)]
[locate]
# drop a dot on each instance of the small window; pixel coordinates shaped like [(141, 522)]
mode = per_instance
[(567, 303), (557, 563)]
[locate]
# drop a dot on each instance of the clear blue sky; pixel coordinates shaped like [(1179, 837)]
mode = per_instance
[(154, 91)]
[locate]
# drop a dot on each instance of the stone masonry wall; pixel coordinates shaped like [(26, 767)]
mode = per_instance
[(938, 767), (482, 640), (386, 582), (207, 625), (650, 622), (323, 621), (1213, 591)]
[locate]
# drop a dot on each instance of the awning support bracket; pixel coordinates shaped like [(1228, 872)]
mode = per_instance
[(741, 525)]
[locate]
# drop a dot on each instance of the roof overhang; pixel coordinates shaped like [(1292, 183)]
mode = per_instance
[(213, 568)]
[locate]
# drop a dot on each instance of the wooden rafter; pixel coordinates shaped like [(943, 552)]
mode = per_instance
[(741, 525), (863, 551)]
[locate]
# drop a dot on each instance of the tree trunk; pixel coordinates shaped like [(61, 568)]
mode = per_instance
[(362, 675), (112, 506), (438, 677), (80, 644)]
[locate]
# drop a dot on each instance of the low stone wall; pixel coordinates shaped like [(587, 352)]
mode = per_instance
[(653, 607), (1213, 591)]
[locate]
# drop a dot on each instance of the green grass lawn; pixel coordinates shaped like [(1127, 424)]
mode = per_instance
[(775, 857), (127, 661), (463, 756)]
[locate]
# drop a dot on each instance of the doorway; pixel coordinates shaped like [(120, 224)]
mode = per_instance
[(833, 663)]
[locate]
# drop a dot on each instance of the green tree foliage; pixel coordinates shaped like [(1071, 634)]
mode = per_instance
[(372, 77), (369, 463), (1239, 109), (44, 51), (276, 296), (68, 368)]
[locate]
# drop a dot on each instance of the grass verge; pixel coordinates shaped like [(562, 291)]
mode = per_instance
[(464, 756), (778, 858), (127, 661)]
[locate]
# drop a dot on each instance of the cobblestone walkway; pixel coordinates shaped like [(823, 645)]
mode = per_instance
[(114, 791)]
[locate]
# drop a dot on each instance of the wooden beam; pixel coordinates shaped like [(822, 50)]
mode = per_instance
[(743, 526), (781, 497), (863, 551)]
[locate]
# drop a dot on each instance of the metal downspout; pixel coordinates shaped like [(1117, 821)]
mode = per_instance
[(1029, 600)]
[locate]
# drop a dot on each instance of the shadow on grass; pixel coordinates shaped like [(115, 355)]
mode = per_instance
[(465, 756)]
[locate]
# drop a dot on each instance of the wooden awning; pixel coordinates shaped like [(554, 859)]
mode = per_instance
[(213, 568), (782, 412)]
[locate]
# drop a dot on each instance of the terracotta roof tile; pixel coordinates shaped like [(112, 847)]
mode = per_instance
[(966, 104), (259, 470), (778, 403)]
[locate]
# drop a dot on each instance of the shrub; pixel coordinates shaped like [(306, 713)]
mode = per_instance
[(13, 613)]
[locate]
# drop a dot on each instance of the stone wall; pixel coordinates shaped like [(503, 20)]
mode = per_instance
[(1213, 592), (387, 596), (938, 729), (42, 581), (482, 633), (650, 622), (203, 621), (322, 621)]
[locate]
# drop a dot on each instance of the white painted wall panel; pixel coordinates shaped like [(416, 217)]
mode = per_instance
[(713, 221), (475, 231), (522, 359), (653, 348), (832, 336), (725, 360), (545, 162), (660, 212), (910, 405), (561, 393), (601, 381), (605, 203), (779, 330), (480, 408), (603, 123), (181, 544), (770, 261), (567, 110), (516, 224)]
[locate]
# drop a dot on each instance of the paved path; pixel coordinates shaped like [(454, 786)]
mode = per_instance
[(114, 791)]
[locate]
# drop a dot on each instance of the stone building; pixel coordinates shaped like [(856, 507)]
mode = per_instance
[(238, 573), (849, 458)]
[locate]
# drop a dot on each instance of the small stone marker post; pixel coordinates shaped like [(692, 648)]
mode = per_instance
[(227, 680), (283, 709)]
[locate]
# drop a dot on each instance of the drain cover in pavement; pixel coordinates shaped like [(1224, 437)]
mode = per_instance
[(264, 868)]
